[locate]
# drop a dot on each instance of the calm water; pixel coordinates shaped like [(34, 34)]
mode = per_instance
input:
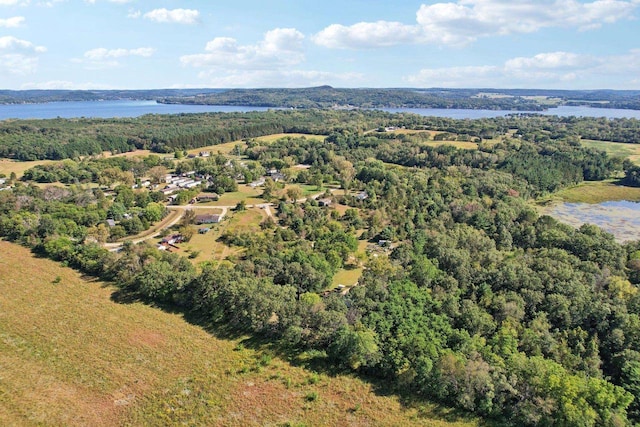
[(620, 218), (108, 109), (128, 108)]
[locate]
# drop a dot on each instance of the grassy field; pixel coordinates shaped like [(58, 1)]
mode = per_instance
[(248, 194), (72, 356), (595, 192), (467, 145), (347, 276), (7, 166), (209, 248), (615, 149)]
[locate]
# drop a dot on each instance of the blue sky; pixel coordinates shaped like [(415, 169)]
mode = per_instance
[(144, 44)]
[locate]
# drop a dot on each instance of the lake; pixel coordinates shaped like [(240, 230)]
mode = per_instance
[(109, 109), (620, 218), (132, 108)]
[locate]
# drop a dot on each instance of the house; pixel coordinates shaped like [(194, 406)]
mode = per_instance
[(172, 239), (362, 195), (2, 181), (257, 183), (204, 230), (324, 202), (191, 184), (204, 154), (203, 198), (276, 175), (208, 219), (111, 223)]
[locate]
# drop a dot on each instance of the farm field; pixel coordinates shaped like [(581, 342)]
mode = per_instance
[(72, 356), (8, 166), (615, 149)]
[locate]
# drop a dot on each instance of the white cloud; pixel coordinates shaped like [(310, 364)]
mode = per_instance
[(175, 16), (552, 60), (551, 70), (102, 53), (367, 35), (280, 47), (101, 58), (10, 43), (110, 1), (13, 22), (18, 56), (66, 85), (134, 14), (471, 76), (464, 21), (268, 63), (280, 78)]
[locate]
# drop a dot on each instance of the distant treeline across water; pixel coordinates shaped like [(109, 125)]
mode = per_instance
[(133, 108)]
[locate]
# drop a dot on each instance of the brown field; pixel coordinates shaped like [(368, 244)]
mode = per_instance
[(72, 356), (7, 166), (467, 145)]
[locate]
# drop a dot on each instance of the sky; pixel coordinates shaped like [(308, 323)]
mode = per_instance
[(152, 44)]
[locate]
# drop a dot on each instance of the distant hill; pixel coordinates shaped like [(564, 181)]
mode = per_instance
[(39, 96), (346, 98)]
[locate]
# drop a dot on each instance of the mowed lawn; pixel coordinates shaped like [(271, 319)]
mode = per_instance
[(70, 356)]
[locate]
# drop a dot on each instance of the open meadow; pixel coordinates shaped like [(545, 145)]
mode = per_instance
[(70, 356), (615, 149)]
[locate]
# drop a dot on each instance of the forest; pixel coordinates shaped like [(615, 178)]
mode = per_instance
[(475, 300), (57, 139), (327, 97)]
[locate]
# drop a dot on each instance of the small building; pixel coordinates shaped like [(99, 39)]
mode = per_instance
[(324, 202), (191, 184), (111, 223), (211, 197), (172, 239), (362, 195), (204, 230), (257, 183), (208, 219), (204, 154)]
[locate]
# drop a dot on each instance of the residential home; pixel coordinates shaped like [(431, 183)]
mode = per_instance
[(203, 198), (362, 195), (257, 183), (324, 202), (208, 219)]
